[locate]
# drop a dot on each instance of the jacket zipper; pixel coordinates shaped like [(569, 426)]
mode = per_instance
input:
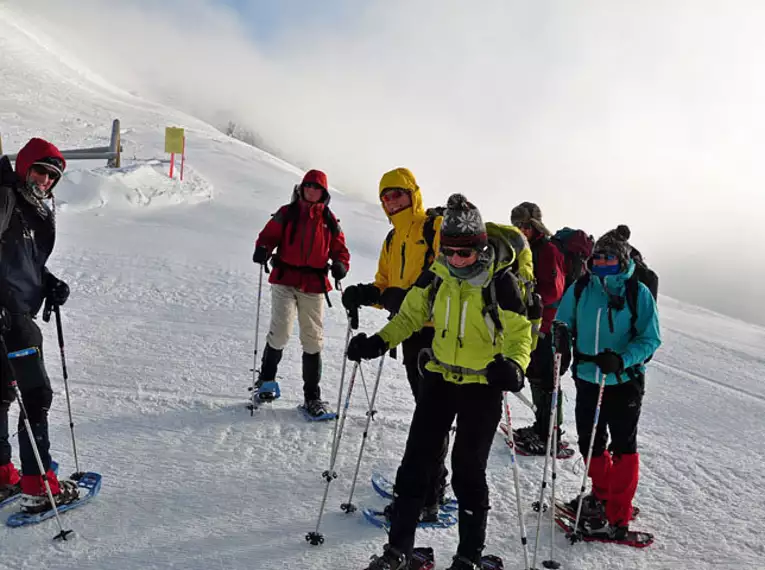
[(403, 259)]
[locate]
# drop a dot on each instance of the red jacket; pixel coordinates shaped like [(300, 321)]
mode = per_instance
[(550, 275), (305, 243)]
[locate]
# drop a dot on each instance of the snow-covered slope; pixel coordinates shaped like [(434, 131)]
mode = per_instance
[(159, 338)]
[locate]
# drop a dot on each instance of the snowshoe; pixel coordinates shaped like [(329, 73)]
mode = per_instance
[(591, 530), (462, 563), (316, 410), (422, 559), (268, 391), (384, 488), (589, 508), (527, 442), (380, 520), (88, 487)]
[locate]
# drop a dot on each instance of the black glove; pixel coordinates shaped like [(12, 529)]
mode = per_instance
[(56, 290), (360, 295), (609, 362), (366, 348), (535, 308), (392, 299), (505, 374), (562, 344), (261, 255), (5, 322), (338, 271)]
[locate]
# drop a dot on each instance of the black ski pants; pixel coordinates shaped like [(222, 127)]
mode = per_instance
[(541, 375), (411, 347), (619, 413), (478, 408), (34, 385)]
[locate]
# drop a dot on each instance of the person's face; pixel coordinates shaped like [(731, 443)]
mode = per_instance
[(395, 200), (460, 257), (312, 192), (43, 178)]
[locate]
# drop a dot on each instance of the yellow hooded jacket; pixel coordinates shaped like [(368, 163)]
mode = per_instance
[(402, 257)]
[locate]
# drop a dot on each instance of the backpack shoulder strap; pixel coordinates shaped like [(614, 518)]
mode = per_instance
[(632, 291), (429, 235), (333, 224), (435, 283), (389, 239), (579, 287)]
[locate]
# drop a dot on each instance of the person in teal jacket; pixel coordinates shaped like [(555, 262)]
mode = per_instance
[(618, 347)]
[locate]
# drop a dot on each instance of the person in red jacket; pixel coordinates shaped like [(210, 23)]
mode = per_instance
[(550, 276), (306, 236)]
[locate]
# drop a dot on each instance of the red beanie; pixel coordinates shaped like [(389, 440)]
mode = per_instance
[(316, 177)]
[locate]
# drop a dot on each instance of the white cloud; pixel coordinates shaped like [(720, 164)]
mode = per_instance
[(602, 112)]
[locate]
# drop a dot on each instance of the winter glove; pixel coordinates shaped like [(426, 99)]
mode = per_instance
[(562, 344), (5, 321), (360, 295), (505, 374), (261, 255), (609, 362), (392, 299), (535, 308), (366, 348), (56, 290), (338, 271)]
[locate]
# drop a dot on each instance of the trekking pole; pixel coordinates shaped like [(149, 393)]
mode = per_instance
[(551, 562), (349, 507), (342, 373), (576, 535), (77, 475), (553, 423), (316, 538), (526, 401), (20, 354), (516, 478), (253, 388)]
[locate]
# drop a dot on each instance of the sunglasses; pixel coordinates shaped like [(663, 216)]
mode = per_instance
[(41, 169), (392, 194), (314, 186), (604, 257), (450, 252)]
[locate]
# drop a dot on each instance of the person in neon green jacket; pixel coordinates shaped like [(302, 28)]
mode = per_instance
[(480, 349)]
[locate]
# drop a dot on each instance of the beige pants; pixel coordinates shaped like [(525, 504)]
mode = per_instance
[(286, 303)]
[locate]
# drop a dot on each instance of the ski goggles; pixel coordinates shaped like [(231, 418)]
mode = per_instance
[(392, 194), (461, 252), (604, 257)]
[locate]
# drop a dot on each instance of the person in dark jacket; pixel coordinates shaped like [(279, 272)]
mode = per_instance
[(550, 277), (306, 236), (27, 235)]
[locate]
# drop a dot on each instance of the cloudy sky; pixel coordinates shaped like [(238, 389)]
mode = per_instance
[(648, 113)]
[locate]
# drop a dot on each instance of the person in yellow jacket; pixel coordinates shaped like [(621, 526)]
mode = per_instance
[(474, 359), (407, 251)]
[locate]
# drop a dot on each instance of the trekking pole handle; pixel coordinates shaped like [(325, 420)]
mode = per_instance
[(47, 310)]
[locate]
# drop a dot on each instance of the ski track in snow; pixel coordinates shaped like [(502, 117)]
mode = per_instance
[(159, 338)]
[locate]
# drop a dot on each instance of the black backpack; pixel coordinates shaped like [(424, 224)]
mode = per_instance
[(576, 247)]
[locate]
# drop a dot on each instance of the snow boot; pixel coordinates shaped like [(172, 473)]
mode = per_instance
[(391, 559), (311, 376), (592, 507), (429, 514), (316, 408), (10, 481), (34, 498)]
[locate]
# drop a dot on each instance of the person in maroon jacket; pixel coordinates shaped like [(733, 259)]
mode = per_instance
[(550, 276), (306, 236)]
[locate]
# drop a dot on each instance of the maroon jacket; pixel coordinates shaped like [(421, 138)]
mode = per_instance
[(550, 274), (306, 238)]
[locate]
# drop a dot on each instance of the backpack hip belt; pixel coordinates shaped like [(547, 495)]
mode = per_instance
[(459, 370)]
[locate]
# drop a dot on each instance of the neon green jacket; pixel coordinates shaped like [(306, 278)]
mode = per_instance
[(465, 337)]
